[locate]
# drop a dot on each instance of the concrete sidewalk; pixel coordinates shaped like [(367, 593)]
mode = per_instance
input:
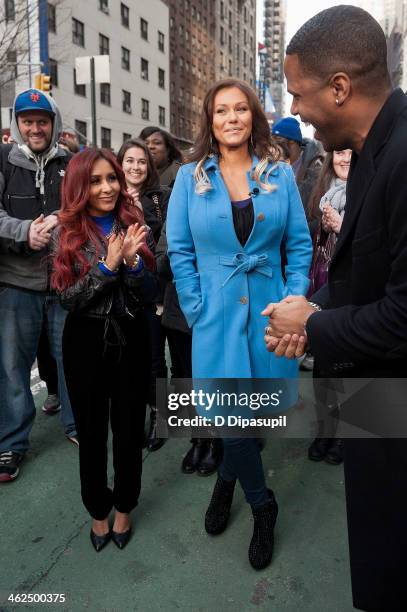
[(171, 563)]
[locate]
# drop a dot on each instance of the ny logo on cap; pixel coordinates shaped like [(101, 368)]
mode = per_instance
[(35, 97)]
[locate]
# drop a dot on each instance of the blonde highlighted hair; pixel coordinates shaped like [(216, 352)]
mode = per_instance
[(261, 141)]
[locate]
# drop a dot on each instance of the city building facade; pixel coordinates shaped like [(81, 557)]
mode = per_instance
[(272, 82), (209, 40), (135, 35)]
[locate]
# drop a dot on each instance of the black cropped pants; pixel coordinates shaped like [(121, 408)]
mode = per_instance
[(108, 381)]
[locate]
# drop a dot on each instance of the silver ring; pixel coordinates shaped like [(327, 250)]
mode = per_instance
[(269, 331)]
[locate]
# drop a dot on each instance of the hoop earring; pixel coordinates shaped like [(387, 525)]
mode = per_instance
[(337, 102)]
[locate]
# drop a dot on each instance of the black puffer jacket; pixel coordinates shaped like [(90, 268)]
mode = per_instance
[(101, 295), (172, 317), (155, 203)]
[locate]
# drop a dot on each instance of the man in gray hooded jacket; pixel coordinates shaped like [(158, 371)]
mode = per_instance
[(31, 171)]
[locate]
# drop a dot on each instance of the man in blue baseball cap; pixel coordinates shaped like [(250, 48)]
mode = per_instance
[(304, 155), (31, 172)]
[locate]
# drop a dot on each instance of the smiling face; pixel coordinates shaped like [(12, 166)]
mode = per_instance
[(104, 189), (232, 118), (135, 167), (315, 102), (35, 129), (158, 149), (341, 163)]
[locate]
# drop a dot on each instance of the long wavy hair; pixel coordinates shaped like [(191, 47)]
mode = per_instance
[(321, 187), (261, 142), (152, 179), (76, 228)]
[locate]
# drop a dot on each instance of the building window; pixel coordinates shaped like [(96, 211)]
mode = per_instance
[(80, 90), (125, 59), (125, 14), (52, 18), (161, 78), (161, 115), (126, 136), (78, 32), (126, 101), (104, 6), (103, 45), (12, 61), (53, 71), (161, 41), (145, 109), (144, 68), (105, 93), (106, 137), (230, 68), (143, 29), (10, 10), (81, 131), (222, 35)]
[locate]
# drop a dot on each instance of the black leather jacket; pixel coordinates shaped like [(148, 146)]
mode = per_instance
[(101, 295)]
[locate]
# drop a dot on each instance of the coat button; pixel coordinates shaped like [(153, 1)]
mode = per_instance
[(243, 300), (261, 217)]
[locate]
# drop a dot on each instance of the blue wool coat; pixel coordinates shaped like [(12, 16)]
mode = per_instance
[(223, 286)]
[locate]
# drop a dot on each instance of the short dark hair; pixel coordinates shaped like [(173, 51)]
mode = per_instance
[(173, 152), (346, 39)]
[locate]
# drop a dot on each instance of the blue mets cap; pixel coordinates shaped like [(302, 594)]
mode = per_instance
[(32, 100)]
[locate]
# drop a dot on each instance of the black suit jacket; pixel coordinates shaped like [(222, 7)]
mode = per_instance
[(362, 330)]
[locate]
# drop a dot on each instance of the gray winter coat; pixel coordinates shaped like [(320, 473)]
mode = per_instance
[(29, 185)]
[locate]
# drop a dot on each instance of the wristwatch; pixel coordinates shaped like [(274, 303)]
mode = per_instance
[(317, 308)]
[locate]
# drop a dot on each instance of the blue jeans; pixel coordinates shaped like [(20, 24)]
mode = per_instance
[(21, 318)]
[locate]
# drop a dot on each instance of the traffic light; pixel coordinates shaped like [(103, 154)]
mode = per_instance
[(43, 82), (46, 84)]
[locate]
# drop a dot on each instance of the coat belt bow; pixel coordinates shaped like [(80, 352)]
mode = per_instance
[(246, 263)]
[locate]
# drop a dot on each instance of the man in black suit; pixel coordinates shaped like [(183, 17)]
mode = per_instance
[(357, 324)]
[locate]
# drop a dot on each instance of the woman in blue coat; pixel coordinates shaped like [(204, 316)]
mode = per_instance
[(230, 211)]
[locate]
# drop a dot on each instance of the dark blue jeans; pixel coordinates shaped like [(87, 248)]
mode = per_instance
[(242, 461), (22, 315)]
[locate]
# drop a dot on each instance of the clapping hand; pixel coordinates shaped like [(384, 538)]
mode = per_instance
[(40, 230), (134, 239), (331, 219), (135, 197), (114, 255)]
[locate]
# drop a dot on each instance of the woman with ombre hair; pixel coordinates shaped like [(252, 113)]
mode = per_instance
[(231, 210), (103, 274)]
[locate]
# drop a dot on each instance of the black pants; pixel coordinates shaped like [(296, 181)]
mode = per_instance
[(376, 496), (47, 366), (108, 380), (178, 352), (180, 344)]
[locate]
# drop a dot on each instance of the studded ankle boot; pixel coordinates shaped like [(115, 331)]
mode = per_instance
[(262, 542), (217, 514)]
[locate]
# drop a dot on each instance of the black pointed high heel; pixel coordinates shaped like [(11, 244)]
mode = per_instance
[(98, 541), (121, 539)]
